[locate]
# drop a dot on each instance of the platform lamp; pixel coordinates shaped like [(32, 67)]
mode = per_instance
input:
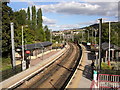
[(109, 44), (100, 44)]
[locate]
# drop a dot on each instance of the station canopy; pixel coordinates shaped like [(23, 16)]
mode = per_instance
[(35, 45), (105, 46)]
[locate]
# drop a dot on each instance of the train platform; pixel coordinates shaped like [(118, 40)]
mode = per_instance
[(82, 78), (40, 57), (36, 65)]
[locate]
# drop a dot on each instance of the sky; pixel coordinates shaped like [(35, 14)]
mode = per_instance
[(70, 14)]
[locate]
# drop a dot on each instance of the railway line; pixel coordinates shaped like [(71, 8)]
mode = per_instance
[(57, 74)]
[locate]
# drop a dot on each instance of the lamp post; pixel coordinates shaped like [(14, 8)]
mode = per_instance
[(100, 44), (88, 34), (23, 61), (82, 37), (72, 36), (92, 36), (109, 45), (95, 38)]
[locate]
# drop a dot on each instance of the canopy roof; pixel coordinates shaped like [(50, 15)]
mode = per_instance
[(105, 46), (36, 45)]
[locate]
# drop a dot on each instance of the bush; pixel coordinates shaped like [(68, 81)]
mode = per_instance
[(105, 66)]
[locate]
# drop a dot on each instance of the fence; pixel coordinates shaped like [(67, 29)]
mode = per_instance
[(107, 81)]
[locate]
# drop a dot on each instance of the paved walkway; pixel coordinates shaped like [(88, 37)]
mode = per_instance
[(82, 78), (41, 58), (85, 81), (28, 72), (36, 59)]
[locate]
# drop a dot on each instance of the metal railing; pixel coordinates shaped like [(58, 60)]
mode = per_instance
[(106, 81), (109, 81)]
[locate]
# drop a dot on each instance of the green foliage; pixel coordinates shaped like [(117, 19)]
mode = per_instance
[(7, 17), (105, 66), (28, 13), (56, 38), (115, 32), (56, 45), (20, 17), (39, 18), (33, 22), (40, 35), (78, 37), (47, 32), (28, 35), (6, 63), (105, 32), (32, 29), (28, 17)]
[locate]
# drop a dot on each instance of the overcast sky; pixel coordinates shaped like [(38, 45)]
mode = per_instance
[(69, 14)]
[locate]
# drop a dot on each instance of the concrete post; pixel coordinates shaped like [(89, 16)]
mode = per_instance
[(13, 47)]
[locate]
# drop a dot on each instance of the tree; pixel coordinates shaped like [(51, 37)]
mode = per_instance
[(28, 13), (115, 32), (78, 37), (39, 18), (47, 32), (40, 35), (28, 17), (40, 31), (33, 18), (21, 17), (7, 17)]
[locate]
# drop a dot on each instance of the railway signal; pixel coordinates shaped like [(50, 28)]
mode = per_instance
[(27, 52)]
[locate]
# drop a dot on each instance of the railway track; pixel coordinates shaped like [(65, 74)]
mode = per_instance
[(55, 75)]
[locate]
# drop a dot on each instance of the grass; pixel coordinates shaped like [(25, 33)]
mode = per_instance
[(6, 64)]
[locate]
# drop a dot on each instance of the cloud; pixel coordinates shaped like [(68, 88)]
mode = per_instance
[(48, 21), (63, 27), (100, 0), (75, 26), (77, 8), (65, 0)]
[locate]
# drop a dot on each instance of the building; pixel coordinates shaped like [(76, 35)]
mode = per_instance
[(35, 49), (114, 52)]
